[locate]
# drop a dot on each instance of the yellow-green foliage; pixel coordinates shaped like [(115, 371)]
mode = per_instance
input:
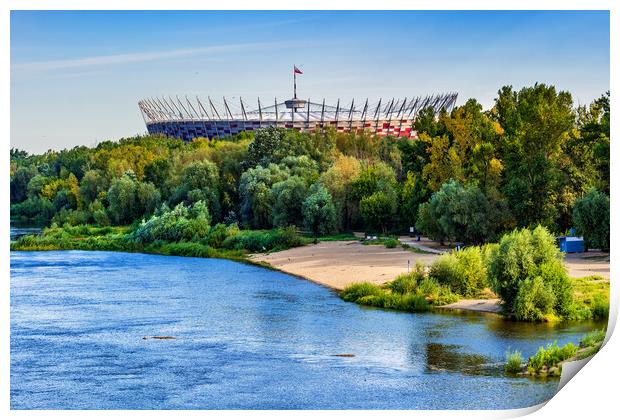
[(550, 356), (410, 292), (463, 271), (591, 298)]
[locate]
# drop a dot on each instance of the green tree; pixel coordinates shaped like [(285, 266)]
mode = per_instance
[(287, 197), (537, 122), (375, 191), (130, 199), (338, 181), (255, 192), (414, 193), (458, 213), (92, 185), (19, 182), (158, 172), (378, 209), (319, 213), (591, 219), (199, 182)]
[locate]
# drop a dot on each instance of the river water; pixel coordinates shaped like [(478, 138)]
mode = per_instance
[(245, 337)]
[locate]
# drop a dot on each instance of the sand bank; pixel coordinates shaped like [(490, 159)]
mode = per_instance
[(337, 264)]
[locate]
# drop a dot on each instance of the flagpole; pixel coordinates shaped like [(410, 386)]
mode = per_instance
[(294, 83)]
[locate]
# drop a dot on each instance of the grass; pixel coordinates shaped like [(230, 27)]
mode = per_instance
[(411, 292), (369, 294), (591, 298), (513, 362), (548, 360), (594, 338), (551, 356)]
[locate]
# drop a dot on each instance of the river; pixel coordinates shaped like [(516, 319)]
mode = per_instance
[(245, 338)]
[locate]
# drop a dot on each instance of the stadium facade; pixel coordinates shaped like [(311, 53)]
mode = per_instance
[(188, 119)]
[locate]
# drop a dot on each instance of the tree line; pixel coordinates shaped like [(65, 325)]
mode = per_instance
[(532, 158)]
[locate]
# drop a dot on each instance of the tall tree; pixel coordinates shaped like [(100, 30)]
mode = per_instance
[(537, 122)]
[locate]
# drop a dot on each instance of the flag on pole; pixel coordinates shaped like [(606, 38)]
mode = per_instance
[(297, 71)]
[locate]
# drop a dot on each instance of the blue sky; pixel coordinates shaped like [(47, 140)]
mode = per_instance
[(76, 77)]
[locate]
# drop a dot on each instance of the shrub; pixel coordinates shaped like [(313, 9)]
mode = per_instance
[(391, 243), (406, 283), (520, 258), (217, 235), (436, 293), (358, 290), (179, 224), (463, 271), (554, 274), (513, 362), (414, 303), (263, 241), (600, 307), (534, 300)]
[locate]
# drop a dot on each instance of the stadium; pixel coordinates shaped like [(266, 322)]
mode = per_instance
[(189, 119)]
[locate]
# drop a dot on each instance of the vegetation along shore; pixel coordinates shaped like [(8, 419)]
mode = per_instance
[(504, 182)]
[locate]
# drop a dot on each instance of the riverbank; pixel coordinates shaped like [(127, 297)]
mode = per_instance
[(335, 264)]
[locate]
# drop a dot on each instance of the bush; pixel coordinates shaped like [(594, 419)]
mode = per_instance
[(219, 233), (407, 283), (358, 290), (264, 241), (530, 260), (414, 303), (534, 301), (513, 362), (591, 219), (179, 224), (463, 271), (435, 293), (600, 307), (391, 243)]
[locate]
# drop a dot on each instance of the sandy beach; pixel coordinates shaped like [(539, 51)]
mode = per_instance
[(336, 264)]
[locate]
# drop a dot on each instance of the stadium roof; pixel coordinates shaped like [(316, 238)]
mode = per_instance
[(156, 109)]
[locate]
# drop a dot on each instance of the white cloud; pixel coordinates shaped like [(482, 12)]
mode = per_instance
[(107, 60)]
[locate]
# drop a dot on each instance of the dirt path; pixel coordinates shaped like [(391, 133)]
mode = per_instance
[(336, 264), (587, 264)]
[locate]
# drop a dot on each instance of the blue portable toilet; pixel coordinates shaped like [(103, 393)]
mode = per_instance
[(571, 244)]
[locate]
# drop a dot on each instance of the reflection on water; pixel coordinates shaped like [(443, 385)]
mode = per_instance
[(245, 337), (450, 357)]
